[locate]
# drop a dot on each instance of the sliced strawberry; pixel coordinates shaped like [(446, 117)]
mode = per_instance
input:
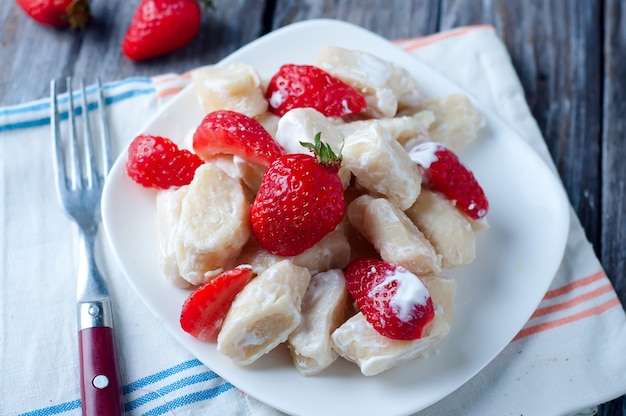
[(392, 299), (444, 172), (229, 132), (300, 86), (157, 162), (205, 309)]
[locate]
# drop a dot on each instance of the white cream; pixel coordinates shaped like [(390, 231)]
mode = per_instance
[(301, 125), (424, 153), (276, 99), (410, 291)]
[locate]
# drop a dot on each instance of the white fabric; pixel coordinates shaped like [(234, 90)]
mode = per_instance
[(567, 359)]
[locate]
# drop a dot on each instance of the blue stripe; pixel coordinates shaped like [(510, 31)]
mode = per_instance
[(45, 105), (25, 124), (179, 384), (143, 382), (54, 410), (40, 105), (76, 404), (189, 399)]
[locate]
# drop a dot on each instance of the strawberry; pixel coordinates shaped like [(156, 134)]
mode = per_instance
[(392, 299), (297, 86), (444, 172), (225, 131), (300, 200), (161, 26), (157, 162), (58, 13), (204, 310)]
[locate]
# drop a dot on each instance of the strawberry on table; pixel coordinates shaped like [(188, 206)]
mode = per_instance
[(300, 201), (204, 310), (225, 131), (161, 26), (392, 299), (157, 162), (58, 13), (300, 86), (444, 172)]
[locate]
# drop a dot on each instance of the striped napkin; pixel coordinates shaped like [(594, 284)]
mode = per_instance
[(566, 360)]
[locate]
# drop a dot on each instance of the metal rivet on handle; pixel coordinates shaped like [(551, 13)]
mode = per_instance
[(100, 381)]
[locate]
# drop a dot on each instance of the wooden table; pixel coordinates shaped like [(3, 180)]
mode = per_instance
[(569, 54)]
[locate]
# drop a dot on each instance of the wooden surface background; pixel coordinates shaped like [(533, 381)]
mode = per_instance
[(569, 54)]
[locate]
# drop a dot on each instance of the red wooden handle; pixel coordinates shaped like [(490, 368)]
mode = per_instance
[(101, 392)]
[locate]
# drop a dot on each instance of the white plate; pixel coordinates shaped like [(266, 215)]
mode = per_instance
[(517, 257)]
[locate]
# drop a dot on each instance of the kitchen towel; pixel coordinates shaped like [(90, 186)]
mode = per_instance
[(566, 360)]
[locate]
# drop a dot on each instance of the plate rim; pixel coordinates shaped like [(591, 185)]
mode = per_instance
[(338, 25)]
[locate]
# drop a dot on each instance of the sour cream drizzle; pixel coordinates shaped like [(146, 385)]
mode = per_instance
[(424, 153), (410, 291)]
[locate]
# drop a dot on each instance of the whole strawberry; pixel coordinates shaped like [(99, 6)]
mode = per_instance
[(161, 26), (300, 86), (300, 201), (57, 13), (392, 299), (444, 172), (157, 162), (229, 132)]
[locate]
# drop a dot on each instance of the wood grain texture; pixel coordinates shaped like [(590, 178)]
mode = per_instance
[(96, 51), (393, 19), (570, 56), (614, 147)]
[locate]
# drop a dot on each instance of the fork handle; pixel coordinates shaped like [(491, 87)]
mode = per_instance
[(101, 392)]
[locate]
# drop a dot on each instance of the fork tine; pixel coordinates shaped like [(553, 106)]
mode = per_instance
[(90, 166), (57, 154), (75, 176), (104, 130)]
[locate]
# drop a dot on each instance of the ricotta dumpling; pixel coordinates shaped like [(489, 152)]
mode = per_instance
[(403, 129), (442, 291), (381, 165), (214, 224), (394, 236), (325, 306), (457, 122), (331, 252), (387, 87), (249, 174), (168, 205), (448, 230), (357, 341), (236, 87), (264, 313)]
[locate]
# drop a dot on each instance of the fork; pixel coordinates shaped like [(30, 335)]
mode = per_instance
[(79, 189)]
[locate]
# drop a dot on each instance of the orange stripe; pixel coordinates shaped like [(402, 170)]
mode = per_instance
[(171, 78), (573, 302), (596, 310), (574, 285), (428, 40), (169, 91)]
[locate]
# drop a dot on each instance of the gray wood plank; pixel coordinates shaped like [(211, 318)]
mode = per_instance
[(97, 50), (613, 254), (392, 19)]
